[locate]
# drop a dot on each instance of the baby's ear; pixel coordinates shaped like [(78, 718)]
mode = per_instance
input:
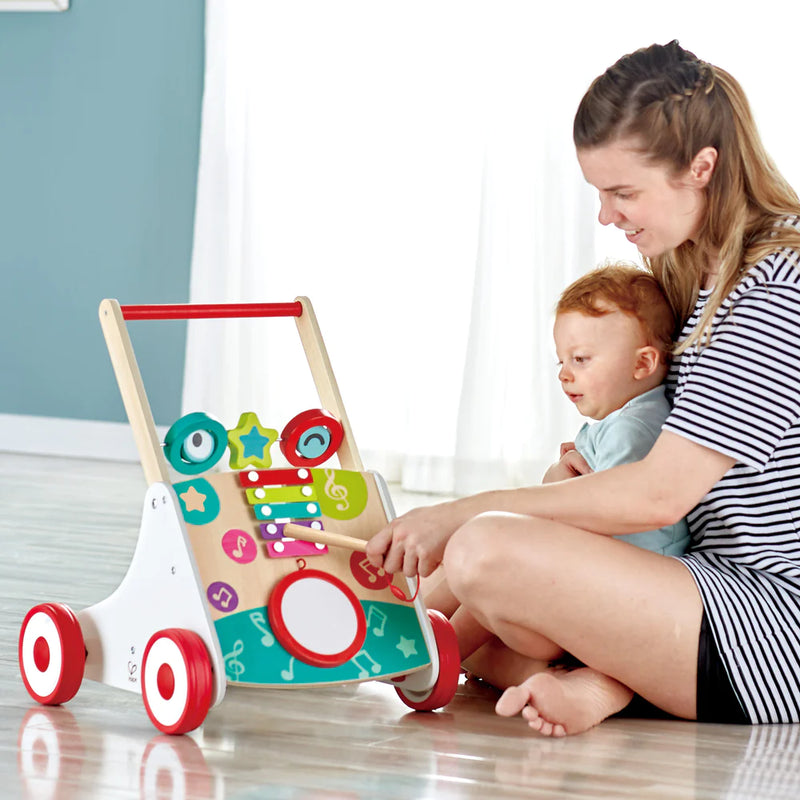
[(648, 361)]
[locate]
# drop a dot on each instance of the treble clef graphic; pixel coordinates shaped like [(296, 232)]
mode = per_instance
[(335, 491), (233, 667)]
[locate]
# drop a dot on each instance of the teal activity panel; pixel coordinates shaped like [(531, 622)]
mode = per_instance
[(253, 654)]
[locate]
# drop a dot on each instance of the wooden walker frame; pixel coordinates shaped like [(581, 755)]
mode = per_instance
[(160, 634)]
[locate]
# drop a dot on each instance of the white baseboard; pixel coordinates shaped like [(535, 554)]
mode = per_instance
[(74, 438)]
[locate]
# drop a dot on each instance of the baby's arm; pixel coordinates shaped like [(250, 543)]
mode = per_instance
[(570, 465)]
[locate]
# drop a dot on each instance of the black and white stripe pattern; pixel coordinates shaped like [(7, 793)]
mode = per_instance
[(740, 395)]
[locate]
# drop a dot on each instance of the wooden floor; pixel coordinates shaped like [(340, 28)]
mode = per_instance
[(67, 532)]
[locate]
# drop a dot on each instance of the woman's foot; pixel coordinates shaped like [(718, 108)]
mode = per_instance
[(561, 703)]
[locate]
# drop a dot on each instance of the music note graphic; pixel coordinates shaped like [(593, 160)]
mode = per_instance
[(222, 596), (335, 491), (362, 672), (375, 611), (372, 572), (233, 667), (288, 674), (241, 541), (368, 576), (239, 546), (259, 620)]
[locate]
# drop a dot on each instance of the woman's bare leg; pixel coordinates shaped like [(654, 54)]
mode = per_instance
[(633, 617), (471, 635), (437, 593)]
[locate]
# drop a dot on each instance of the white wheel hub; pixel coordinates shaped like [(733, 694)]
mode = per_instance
[(41, 626), (167, 710)]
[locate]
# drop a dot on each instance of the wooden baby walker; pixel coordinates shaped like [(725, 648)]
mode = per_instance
[(254, 575)]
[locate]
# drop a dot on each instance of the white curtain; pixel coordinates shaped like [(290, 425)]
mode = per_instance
[(409, 167)]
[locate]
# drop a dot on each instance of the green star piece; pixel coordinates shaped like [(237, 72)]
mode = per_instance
[(249, 443)]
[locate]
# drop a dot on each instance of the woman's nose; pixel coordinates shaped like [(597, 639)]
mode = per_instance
[(608, 213)]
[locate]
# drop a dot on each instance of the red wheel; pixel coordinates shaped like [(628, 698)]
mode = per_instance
[(176, 680), (52, 655), (444, 689)]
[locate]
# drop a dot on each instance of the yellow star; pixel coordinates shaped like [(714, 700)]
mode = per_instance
[(250, 443), (193, 500)]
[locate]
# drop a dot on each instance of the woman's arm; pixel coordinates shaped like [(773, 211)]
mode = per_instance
[(645, 495)]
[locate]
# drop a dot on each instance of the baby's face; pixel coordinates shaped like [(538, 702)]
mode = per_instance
[(597, 359)]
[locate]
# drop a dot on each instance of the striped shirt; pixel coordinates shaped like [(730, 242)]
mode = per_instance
[(740, 395)]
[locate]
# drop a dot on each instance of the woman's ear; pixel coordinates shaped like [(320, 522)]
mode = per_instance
[(648, 362), (702, 167)]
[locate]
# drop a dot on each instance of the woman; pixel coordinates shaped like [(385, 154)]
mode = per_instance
[(670, 144)]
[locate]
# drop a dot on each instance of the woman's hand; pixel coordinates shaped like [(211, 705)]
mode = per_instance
[(570, 465), (414, 542)]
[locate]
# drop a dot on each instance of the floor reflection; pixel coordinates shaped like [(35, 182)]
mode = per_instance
[(457, 753), (60, 760), (768, 765)]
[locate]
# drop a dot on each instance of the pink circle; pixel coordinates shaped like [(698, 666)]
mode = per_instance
[(239, 546)]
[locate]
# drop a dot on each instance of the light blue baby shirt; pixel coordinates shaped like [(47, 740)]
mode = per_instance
[(626, 435)]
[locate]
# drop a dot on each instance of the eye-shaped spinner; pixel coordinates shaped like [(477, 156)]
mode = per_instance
[(195, 443), (311, 437)]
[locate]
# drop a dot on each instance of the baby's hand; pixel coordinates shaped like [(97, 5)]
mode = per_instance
[(570, 465)]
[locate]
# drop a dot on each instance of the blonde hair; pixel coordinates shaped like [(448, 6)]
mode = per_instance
[(673, 105), (628, 289)]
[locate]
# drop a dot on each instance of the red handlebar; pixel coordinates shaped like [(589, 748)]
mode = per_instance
[(212, 311)]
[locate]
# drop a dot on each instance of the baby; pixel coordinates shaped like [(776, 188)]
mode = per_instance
[(613, 335)]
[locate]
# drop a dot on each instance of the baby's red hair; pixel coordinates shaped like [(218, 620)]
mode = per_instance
[(625, 288)]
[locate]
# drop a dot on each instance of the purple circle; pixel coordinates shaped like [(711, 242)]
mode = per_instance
[(222, 596)]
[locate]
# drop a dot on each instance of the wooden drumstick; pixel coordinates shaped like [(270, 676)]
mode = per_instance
[(323, 537), (340, 540)]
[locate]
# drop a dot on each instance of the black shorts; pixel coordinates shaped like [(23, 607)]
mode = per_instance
[(716, 698)]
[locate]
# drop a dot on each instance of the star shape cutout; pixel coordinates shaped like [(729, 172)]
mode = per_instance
[(407, 647), (254, 443), (193, 500), (250, 443)]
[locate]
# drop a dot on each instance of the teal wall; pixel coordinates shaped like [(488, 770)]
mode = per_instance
[(99, 141)]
